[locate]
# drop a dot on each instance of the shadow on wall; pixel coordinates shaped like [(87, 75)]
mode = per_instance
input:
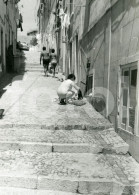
[(14, 62), (118, 12), (13, 66), (121, 7)]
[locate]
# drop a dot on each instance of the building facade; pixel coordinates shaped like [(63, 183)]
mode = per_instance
[(10, 20), (46, 22), (99, 42)]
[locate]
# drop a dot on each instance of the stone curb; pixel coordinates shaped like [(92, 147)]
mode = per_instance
[(76, 148), (75, 127), (67, 185), (26, 146), (21, 137), (50, 147), (18, 181), (58, 127), (22, 191)]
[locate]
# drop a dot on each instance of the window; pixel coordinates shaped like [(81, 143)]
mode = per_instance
[(89, 86), (71, 6), (128, 98), (133, 77)]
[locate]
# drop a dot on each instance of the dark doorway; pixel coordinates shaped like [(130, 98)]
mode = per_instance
[(89, 84), (71, 57), (2, 63), (76, 65)]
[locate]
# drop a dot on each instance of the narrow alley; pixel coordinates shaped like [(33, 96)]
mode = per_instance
[(69, 97), (52, 149)]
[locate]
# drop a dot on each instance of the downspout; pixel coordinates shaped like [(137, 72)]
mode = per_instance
[(137, 106), (64, 53), (109, 64)]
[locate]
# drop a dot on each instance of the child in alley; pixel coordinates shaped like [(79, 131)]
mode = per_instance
[(46, 59), (53, 58), (65, 90)]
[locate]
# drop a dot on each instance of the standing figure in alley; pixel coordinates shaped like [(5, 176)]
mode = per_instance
[(65, 90), (53, 58), (46, 59)]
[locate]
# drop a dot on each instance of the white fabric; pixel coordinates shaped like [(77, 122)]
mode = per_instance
[(17, 14), (17, 22), (65, 21), (61, 12), (65, 87)]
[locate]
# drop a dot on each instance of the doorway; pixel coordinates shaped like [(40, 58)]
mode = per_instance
[(6, 50), (2, 57)]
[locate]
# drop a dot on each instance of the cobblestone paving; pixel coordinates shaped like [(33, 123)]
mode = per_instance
[(13, 191), (75, 167), (5, 80), (88, 166), (107, 139), (33, 100), (32, 114)]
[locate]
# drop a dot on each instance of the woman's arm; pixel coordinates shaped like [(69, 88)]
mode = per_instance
[(75, 86), (41, 57)]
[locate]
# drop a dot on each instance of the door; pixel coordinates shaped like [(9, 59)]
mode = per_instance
[(89, 84), (132, 98), (76, 61), (6, 50), (2, 57), (128, 98)]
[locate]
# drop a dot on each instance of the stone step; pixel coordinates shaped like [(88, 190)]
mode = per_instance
[(33, 69), (59, 126), (75, 173), (32, 65), (36, 67), (50, 147), (21, 191), (107, 141)]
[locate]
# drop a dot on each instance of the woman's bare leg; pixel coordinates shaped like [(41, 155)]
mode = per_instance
[(69, 95)]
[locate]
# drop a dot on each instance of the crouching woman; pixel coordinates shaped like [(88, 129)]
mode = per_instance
[(65, 90)]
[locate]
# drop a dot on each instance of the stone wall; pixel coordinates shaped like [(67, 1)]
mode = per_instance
[(111, 41), (8, 28)]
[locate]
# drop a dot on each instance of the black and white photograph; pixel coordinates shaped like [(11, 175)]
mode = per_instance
[(69, 97)]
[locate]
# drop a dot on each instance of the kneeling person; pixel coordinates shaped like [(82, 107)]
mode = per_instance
[(65, 91)]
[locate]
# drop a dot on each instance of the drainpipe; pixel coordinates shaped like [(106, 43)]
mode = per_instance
[(64, 53), (109, 64)]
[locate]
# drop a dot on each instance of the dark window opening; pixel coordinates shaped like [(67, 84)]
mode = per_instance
[(71, 6), (134, 77), (89, 87)]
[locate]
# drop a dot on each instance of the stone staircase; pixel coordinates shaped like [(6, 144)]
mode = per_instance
[(72, 151), (38, 161), (62, 141), (32, 68)]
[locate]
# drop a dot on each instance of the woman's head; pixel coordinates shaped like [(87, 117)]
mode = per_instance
[(72, 77), (44, 48), (53, 50)]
